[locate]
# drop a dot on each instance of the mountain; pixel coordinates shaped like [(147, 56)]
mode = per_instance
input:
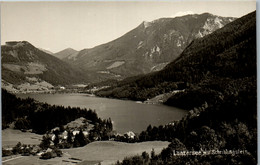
[(65, 54), (147, 48), (23, 64), (46, 51), (215, 79), (218, 62)]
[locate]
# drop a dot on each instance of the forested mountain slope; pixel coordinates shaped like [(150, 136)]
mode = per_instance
[(220, 58), (219, 72), (23, 63)]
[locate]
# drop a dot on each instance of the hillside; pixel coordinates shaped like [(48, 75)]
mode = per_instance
[(224, 56), (218, 75), (66, 53), (147, 48), (23, 64)]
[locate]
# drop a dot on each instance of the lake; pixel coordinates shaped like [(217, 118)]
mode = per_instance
[(126, 115)]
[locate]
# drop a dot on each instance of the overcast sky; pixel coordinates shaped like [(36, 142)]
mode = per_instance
[(55, 26)]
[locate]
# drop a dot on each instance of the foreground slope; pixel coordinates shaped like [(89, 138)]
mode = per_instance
[(106, 152), (24, 63), (147, 48)]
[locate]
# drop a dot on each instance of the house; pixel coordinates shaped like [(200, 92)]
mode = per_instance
[(75, 133), (64, 135), (129, 135)]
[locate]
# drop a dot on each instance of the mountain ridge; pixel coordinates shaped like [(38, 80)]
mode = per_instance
[(63, 54), (22, 63), (220, 55), (147, 48)]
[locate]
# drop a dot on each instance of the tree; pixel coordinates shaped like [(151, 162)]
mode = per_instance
[(80, 139), (177, 145), (166, 154), (61, 128), (56, 140), (22, 123), (17, 149), (45, 143), (145, 156), (208, 139), (109, 124), (153, 154), (69, 138)]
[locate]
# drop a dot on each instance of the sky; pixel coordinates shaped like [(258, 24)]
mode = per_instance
[(55, 26)]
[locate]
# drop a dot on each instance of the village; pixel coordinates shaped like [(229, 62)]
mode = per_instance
[(77, 133)]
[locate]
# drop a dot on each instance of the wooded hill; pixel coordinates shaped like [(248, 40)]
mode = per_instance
[(215, 62), (42, 117), (21, 60)]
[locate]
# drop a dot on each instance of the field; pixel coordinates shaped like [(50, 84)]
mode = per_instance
[(109, 152), (106, 152), (11, 137)]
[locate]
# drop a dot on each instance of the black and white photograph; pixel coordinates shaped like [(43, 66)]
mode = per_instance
[(129, 82)]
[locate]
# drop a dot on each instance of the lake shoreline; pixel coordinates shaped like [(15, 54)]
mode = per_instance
[(125, 114)]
